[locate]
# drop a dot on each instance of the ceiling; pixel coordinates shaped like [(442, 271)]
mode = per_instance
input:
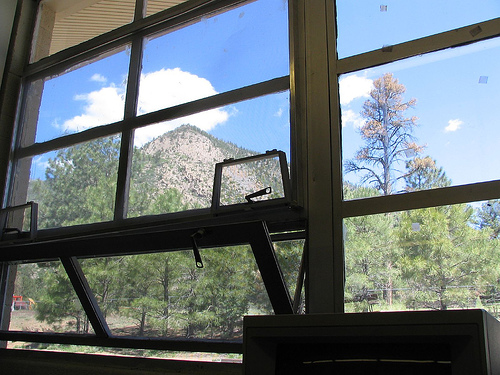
[(77, 21)]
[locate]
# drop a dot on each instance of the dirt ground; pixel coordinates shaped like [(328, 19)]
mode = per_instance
[(24, 320)]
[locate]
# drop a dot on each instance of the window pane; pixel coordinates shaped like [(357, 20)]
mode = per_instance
[(365, 25), (289, 254), (422, 123), (77, 100), (18, 222), (237, 48), (238, 181), (45, 301), (165, 295), (174, 162), (434, 258), (76, 185), (155, 6), (63, 24)]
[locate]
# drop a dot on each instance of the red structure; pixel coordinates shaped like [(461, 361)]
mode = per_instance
[(19, 304)]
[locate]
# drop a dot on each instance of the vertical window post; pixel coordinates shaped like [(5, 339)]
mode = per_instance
[(320, 282)]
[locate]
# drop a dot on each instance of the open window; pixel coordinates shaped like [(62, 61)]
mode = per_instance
[(124, 124)]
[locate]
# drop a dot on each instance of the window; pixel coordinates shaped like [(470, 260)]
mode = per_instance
[(387, 125), (63, 24), (143, 122), (81, 98), (367, 26), (418, 161), (444, 127), (435, 258), (46, 302), (122, 120)]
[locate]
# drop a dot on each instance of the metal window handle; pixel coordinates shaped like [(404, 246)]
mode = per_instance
[(196, 251), (259, 193)]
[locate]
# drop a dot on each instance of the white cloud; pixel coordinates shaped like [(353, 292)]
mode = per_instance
[(279, 113), (160, 89), (351, 117), (103, 107), (353, 87), (168, 87), (98, 78), (453, 125)]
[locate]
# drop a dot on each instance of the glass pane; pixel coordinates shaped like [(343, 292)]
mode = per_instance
[(63, 24), (434, 258), (289, 254), (174, 162), (237, 48), (75, 185), (365, 25), (45, 301), (17, 222), (155, 6), (77, 100), (239, 181), (165, 295), (422, 123)]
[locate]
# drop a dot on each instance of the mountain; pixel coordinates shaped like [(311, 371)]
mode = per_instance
[(186, 161)]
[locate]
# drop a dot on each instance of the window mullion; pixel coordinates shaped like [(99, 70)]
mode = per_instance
[(336, 157), (422, 199), (140, 9), (127, 141), (448, 39), (319, 203)]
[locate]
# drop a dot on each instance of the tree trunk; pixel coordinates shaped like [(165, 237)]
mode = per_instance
[(143, 323)]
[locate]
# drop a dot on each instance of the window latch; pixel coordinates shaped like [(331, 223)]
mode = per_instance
[(196, 251), (259, 193)]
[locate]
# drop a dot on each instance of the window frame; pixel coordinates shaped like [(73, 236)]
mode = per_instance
[(278, 219), (457, 194), (133, 35), (316, 130), (436, 197)]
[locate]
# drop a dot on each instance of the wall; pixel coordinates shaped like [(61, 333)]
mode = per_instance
[(7, 10), (53, 363), (12, 67)]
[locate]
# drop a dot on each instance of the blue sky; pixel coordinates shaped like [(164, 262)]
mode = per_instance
[(249, 44), (457, 89), (365, 25)]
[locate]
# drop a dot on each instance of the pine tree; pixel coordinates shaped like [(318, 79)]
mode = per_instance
[(445, 261), (388, 137), (424, 174)]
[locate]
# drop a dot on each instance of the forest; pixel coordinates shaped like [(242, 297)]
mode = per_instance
[(436, 258)]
